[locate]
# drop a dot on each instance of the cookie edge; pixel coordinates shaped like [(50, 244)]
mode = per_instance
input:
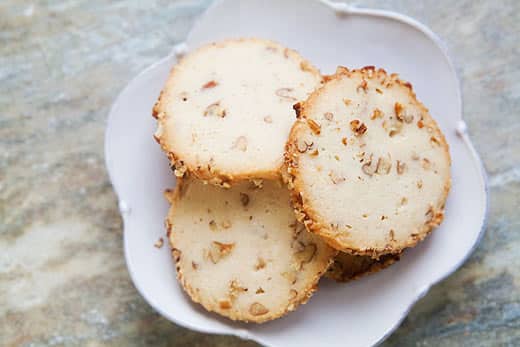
[(382, 263)]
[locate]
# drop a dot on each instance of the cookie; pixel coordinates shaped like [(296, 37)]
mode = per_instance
[(227, 108), (368, 167), (240, 252), (347, 267)]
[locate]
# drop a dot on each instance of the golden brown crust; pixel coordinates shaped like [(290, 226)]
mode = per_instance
[(210, 173), (311, 218), (347, 267), (173, 198)]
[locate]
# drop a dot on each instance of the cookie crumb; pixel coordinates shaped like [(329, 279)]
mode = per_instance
[(159, 243)]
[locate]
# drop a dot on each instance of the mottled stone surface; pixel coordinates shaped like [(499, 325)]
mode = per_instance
[(63, 279)]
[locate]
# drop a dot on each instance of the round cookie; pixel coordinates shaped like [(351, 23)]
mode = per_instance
[(226, 110), (347, 267), (240, 252), (368, 167)]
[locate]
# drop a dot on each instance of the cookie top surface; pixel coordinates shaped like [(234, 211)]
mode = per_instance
[(347, 267), (226, 109), (368, 167), (240, 252)]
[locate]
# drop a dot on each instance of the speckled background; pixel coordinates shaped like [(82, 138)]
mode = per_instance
[(63, 280)]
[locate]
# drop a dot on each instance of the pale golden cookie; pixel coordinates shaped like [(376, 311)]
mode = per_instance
[(368, 167), (239, 252), (226, 110)]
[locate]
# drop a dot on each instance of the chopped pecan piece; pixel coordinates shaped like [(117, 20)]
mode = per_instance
[(285, 93), (358, 127), (392, 235), (401, 114), (291, 276), (180, 170), (219, 250), (383, 166), (377, 113), (408, 118), (215, 109), (240, 143), (426, 164), (257, 309), (303, 145), (224, 304), (398, 109), (328, 116), (298, 109), (235, 289), (400, 167), (210, 84), (363, 85), (176, 253), (335, 178), (244, 199), (430, 214), (393, 127), (368, 168), (260, 264)]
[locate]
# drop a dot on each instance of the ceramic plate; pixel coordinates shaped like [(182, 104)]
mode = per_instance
[(361, 313)]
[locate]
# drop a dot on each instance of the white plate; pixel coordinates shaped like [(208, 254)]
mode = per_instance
[(361, 313)]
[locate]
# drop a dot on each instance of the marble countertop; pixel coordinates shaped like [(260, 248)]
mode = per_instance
[(63, 279)]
